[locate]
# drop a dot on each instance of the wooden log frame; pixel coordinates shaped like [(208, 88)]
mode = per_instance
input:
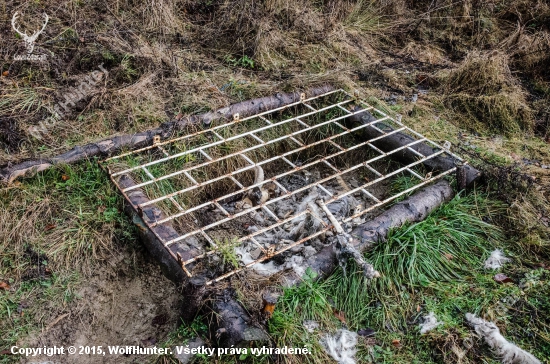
[(233, 325), (167, 130), (466, 174), (413, 209)]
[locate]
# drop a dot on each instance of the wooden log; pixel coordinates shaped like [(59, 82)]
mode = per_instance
[(466, 174), (166, 257), (194, 294), (109, 146), (413, 209), (232, 325)]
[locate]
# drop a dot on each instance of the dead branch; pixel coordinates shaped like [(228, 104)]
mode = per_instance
[(414, 209), (112, 145), (233, 325)]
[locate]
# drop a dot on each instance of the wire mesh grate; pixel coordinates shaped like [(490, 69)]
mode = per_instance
[(252, 183)]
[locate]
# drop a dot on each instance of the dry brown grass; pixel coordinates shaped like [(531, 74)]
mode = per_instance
[(530, 217), (487, 96), (70, 240)]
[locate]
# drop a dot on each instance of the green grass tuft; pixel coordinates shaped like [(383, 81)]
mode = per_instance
[(444, 247)]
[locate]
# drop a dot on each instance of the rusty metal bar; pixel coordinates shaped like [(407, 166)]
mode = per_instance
[(328, 221)]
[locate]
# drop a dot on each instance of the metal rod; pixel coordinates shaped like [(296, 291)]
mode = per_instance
[(216, 139)]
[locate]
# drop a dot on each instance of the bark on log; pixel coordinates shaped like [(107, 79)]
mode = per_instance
[(232, 325), (107, 147), (167, 257), (466, 174), (414, 209), (194, 294)]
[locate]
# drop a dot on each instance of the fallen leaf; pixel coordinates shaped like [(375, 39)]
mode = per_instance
[(340, 315), (65, 177), (5, 73), (50, 227), (4, 285), (502, 278)]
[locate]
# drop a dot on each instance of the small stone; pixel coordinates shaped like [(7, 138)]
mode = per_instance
[(255, 253)]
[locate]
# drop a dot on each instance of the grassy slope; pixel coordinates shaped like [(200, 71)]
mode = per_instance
[(434, 266), (488, 93)]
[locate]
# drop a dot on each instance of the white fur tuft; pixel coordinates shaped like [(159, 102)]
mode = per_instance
[(507, 352), (265, 269), (341, 346), (496, 260), (430, 323)]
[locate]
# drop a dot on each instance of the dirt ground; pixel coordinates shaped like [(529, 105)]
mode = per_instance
[(118, 305)]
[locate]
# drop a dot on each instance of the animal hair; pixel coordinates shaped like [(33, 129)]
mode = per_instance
[(341, 346), (430, 323), (496, 260), (508, 352)]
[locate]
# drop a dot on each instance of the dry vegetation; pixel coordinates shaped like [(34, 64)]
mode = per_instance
[(481, 70)]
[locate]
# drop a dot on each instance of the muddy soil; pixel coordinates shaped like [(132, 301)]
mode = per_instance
[(127, 301)]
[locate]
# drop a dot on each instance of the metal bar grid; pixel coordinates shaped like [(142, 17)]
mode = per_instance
[(328, 222)]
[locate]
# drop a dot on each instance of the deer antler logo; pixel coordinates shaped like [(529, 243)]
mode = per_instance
[(29, 40)]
